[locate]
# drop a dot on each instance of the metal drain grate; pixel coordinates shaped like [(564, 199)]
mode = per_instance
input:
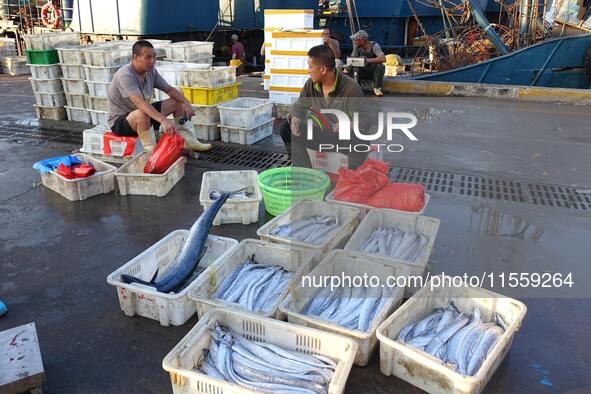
[(233, 157), (471, 186), (34, 134)]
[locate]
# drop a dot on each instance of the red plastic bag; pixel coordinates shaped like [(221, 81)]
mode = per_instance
[(379, 166), (408, 197), (358, 185), (167, 151), (76, 171)]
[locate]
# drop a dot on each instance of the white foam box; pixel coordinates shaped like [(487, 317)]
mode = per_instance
[(296, 40), (348, 220), (282, 97), (50, 113), (102, 181), (78, 114), (233, 211), (72, 71), (287, 62), (75, 100), (167, 308), (182, 361), (246, 136), (43, 71), (245, 112), (74, 86), (388, 218), (284, 18), (96, 103), (50, 99), (100, 74), (295, 260), (288, 80), (427, 372), (98, 89), (210, 132), (336, 263), (132, 179)]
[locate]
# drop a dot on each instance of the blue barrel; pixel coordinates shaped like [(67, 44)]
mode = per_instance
[(68, 6)]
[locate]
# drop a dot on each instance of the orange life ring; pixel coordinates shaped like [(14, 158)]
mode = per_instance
[(57, 17)]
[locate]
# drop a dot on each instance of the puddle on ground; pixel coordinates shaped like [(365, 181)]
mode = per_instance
[(494, 223)]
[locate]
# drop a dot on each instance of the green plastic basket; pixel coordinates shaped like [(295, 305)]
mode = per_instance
[(282, 187), (42, 57)]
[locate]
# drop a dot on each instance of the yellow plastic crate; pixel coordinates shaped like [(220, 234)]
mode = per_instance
[(211, 96)]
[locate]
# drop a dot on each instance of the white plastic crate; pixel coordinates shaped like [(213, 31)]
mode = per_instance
[(388, 218), (246, 136), (75, 100), (330, 197), (71, 55), (106, 56), (209, 77), (266, 83), (429, 373), (96, 103), (46, 85), (93, 143), (102, 181), (297, 40), (245, 112), (348, 220), (42, 71), (159, 46), (74, 86), (336, 263), (233, 211), (287, 62), (206, 114), (78, 114), (72, 71), (289, 18), (183, 359), (50, 99), (132, 180), (98, 89), (280, 97), (167, 308), (173, 72), (188, 50), (295, 260), (100, 74), (50, 113), (98, 117), (14, 65), (205, 131), (296, 81), (47, 41)]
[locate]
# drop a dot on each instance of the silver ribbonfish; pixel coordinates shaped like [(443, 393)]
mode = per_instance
[(313, 230), (395, 243)]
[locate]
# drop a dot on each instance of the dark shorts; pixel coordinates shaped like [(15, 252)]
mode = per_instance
[(122, 128)]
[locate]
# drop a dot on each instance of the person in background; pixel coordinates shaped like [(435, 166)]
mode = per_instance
[(334, 46), (371, 51), (131, 112), (239, 53)]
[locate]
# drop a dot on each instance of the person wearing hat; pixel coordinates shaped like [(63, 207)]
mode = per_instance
[(238, 52), (371, 51)]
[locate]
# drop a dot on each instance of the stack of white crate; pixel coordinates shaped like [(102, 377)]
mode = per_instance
[(245, 120), (45, 78), (289, 63), (277, 20), (75, 89), (10, 63)]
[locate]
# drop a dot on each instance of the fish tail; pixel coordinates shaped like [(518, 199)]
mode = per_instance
[(132, 279)]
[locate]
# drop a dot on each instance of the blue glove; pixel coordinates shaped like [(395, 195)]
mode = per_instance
[(3, 308)]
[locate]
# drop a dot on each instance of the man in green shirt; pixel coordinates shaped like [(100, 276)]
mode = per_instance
[(327, 88)]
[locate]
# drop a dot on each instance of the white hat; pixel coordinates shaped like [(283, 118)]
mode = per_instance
[(234, 37)]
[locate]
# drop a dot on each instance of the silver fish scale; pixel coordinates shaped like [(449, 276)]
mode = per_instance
[(461, 343)]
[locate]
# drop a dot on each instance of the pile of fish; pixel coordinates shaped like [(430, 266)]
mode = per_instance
[(264, 367), (311, 230), (396, 243), (256, 287), (461, 341), (185, 267), (354, 309)]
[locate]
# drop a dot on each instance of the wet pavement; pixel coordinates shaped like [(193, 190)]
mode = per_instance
[(56, 254)]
